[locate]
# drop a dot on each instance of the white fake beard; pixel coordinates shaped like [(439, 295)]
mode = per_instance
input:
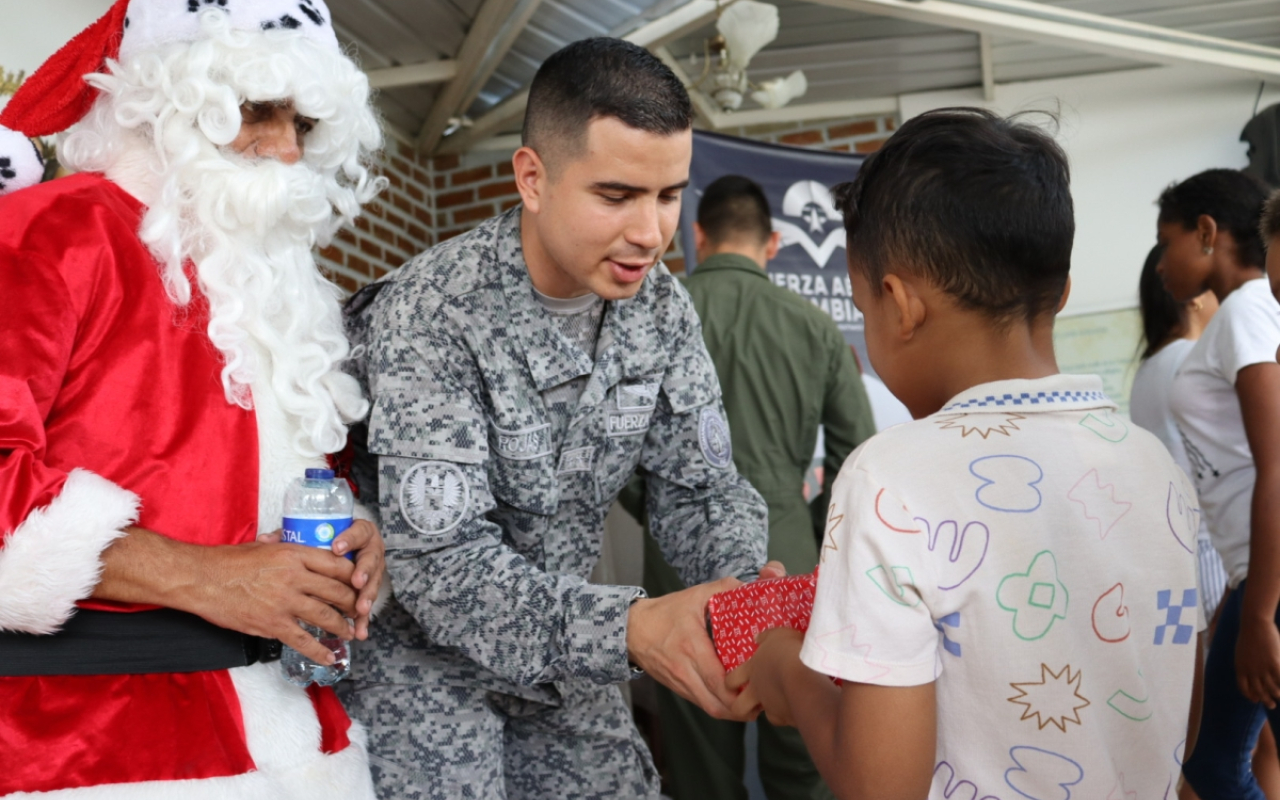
[(249, 227)]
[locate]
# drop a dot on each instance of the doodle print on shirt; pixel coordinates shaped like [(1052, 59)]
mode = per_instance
[(1035, 768), (962, 553), (1120, 791), (1184, 518), (834, 518), (1181, 633), (1111, 616), (1008, 483), (1098, 502), (1036, 597), (1109, 426), (897, 584), (1055, 699), (951, 620), (982, 424), (894, 514), (843, 641), (945, 780), (1132, 706)]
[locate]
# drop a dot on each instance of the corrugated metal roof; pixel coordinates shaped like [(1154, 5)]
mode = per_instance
[(846, 55)]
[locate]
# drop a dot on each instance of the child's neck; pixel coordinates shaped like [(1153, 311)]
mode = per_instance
[(1019, 350)]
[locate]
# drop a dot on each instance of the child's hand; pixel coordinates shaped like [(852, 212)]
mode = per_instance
[(1258, 661), (763, 677)]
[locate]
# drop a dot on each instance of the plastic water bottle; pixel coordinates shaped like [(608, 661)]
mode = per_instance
[(316, 509)]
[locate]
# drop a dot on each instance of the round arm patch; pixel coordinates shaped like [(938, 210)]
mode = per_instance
[(434, 497), (713, 437)]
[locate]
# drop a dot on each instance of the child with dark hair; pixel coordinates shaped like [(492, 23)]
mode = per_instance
[(1008, 586), (1169, 331), (1224, 400)]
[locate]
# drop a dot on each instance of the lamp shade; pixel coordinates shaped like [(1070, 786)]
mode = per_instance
[(747, 26), (780, 91)]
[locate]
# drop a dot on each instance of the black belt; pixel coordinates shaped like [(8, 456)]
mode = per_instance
[(143, 642)]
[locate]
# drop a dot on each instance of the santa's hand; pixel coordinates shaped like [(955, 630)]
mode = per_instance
[(363, 539), (265, 589)]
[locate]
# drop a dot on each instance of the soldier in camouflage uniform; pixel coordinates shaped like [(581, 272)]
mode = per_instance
[(519, 374)]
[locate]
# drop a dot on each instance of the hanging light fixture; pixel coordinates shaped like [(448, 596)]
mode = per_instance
[(744, 28)]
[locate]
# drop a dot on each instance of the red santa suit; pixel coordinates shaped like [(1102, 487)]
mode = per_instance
[(113, 413)]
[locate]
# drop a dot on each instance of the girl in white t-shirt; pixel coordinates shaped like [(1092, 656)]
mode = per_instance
[(1169, 331), (1226, 401)]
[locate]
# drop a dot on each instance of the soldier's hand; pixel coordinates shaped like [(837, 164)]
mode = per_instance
[(667, 638), (264, 589), (364, 539), (773, 569)]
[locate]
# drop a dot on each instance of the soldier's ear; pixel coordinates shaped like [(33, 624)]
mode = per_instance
[(772, 245), (531, 177)]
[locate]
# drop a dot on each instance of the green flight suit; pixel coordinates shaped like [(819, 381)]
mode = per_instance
[(784, 370)]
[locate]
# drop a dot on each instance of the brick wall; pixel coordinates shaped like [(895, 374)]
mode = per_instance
[(396, 226), (434, 199)]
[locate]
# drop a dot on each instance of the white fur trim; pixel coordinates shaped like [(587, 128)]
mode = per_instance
[(284, 740), (152, 24), (54, 558)]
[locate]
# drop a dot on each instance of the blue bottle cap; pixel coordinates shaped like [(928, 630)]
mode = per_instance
[(320, 474)]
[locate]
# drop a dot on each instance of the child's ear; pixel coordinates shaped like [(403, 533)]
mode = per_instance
[(1207, 228), (906, 303), (1066, 293)]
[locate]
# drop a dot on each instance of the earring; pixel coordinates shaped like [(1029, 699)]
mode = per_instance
[(1197, 305), (1208, 251)]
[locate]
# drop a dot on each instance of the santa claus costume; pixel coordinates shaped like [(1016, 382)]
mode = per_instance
[(168, 359)]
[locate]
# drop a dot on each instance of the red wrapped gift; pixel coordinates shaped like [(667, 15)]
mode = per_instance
[(736, 617)]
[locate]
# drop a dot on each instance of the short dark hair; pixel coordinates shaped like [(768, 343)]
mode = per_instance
[(1233, 199), (732, 208), (601, 77), (977, 204), (1269, 228), (1162, 316)]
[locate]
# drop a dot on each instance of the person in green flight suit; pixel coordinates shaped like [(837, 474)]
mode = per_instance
[(785, 371)]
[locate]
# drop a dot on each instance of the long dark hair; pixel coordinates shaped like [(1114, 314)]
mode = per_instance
[(1162, 316)]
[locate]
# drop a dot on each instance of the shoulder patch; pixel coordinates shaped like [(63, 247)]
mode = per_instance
[(434, 497), (713, 437)]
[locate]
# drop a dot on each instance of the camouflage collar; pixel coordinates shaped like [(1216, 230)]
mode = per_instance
[(630, 335), (552, 359)]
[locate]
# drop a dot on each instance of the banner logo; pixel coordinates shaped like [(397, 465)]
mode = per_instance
[(812, 204)]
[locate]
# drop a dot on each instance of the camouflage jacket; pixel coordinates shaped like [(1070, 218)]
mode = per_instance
[(492, 505)]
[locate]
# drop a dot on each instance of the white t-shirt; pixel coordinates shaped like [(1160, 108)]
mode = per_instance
[(1151, 399), (1033, 553), (1245, 331)]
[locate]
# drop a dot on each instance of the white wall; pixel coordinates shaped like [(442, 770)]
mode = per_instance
[(33, 30), (1128, 135)]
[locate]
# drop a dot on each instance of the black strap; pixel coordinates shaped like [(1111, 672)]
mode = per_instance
[(111, 643)]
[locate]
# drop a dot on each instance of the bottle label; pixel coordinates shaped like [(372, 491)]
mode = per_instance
[(315, 532)]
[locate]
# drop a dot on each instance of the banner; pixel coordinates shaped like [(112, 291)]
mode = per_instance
[(811, 260)]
